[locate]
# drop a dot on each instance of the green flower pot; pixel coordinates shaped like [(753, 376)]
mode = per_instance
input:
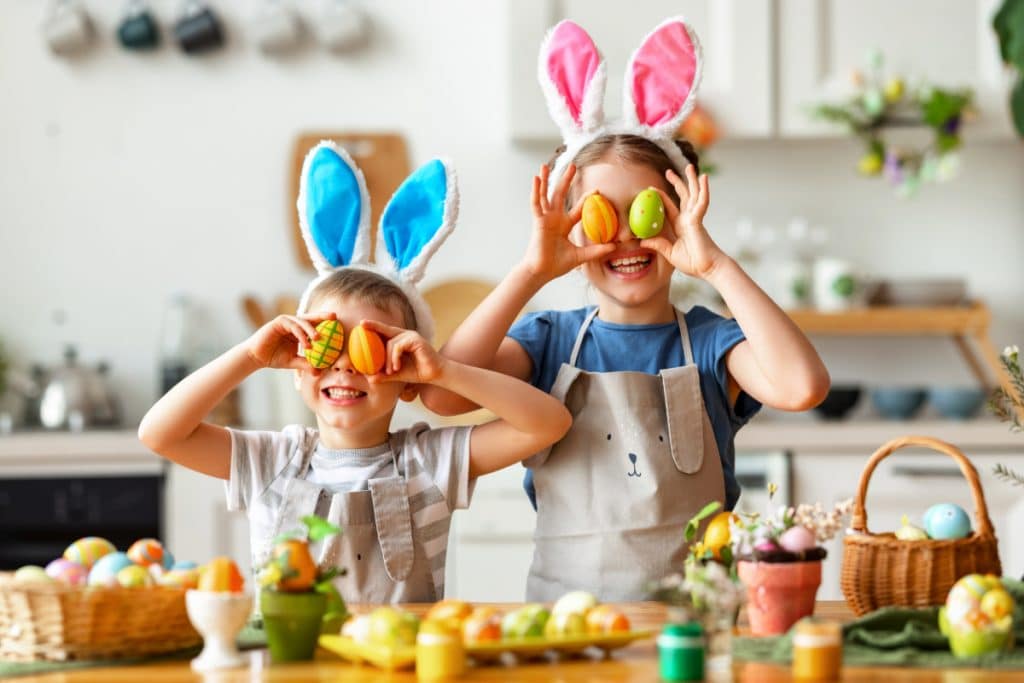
[(292, 622)]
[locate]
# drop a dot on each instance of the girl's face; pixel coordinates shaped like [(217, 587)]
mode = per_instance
[(631, 277), (350, 412)]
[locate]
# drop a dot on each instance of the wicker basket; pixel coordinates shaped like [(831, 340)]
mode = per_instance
[(880, 570), (53, 621)]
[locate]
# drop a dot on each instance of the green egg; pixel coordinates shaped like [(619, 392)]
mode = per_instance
[(646, 214)]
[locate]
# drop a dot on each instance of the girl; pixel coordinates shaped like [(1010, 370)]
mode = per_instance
[(656, 395)]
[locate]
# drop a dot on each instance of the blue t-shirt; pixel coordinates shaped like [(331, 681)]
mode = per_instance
[(548, 338)]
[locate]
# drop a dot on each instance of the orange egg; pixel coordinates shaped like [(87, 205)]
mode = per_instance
[(366, 350), (482, 625), (605, 619), (221, 575), (298, 571), (600, 222), (449, 609)]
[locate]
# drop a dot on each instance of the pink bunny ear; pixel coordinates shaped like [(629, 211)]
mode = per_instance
[(572, 76), (662, 77)]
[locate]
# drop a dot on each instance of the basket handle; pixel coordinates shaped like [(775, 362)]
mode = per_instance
[(859, 520)]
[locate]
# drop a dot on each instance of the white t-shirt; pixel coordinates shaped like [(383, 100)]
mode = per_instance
[(435, 463)]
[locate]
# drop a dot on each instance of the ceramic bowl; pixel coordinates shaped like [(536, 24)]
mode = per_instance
[(897, 403), (957, 403), (839, 401)]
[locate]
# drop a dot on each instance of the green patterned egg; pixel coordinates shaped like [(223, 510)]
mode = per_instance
[(646, 214), (326, 348)]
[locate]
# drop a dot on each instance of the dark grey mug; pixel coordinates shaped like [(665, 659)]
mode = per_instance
[(139, 30), (199, 30)]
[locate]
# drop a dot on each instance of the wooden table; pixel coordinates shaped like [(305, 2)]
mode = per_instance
[(637, 663)]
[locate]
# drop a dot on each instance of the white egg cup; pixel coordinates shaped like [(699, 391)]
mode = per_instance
[(218, 617)]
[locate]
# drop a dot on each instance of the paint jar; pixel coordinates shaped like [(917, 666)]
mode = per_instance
[(681, 652), (440, 655), (817, 650)]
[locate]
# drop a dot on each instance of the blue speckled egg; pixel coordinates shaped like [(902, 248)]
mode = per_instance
[(104, 572), (946, 521), (168, 561)]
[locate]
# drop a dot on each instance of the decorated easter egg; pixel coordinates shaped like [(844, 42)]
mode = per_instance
[(977, 616), (104, 572), (797, 539), (566, 624), (357, 628), (997, 603), (30, 573), (392, 627), (169, 561), (296, 570), (454, 610), (146, 551), (220, 575), (600, 221), (606, 619), (483, 625), (86, 551), (647, 214), (366, 350), (67, 572), (185, 564), (326, 348), (946, 521), (180, 578), (909, 532), (134, 576), (574, 602), (717, 535), (526, 622)]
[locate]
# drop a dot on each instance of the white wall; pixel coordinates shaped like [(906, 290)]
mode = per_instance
[(124, 178)]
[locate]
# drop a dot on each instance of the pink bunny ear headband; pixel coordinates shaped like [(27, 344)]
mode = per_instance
[(660, 89)]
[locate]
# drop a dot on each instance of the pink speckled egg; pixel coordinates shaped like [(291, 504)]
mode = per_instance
[(797, 539), (67, 572)]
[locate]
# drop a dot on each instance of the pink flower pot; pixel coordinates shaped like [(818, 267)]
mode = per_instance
[(779, 593)]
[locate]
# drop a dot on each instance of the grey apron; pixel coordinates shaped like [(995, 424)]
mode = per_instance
[(615, 494), (384, 563)]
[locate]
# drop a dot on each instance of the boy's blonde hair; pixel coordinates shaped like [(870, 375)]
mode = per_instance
[(368, 286)]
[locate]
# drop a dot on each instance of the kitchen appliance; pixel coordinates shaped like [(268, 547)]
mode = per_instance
[(76, 397)]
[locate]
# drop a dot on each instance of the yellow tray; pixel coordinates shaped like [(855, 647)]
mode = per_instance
[(405, 657)]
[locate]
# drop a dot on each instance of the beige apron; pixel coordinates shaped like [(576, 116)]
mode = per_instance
[(615, 494), (376, 547)]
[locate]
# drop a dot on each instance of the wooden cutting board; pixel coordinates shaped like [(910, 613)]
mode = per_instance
[(381, 156)]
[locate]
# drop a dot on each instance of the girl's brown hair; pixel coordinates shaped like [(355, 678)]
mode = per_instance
[(367, 286), (631, 149)]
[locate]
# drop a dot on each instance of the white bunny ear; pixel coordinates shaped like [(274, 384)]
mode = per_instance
[(418, 219), (662, 78), (334, 208), (572, 76)]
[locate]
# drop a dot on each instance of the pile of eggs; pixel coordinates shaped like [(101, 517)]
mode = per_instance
[(944, 521), (94, 561)]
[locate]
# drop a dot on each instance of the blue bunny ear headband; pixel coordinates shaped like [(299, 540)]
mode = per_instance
[(334, 212)]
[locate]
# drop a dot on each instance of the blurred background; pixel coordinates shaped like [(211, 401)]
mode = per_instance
[(148, 160)]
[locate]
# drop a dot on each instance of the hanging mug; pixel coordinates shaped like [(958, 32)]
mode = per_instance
[(138, 29), (342, 26), (276, 28), (198, 30), (67, 28)]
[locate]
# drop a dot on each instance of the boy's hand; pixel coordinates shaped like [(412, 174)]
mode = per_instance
[(550, 253), (693, 252), (408, 357), (280, 342)]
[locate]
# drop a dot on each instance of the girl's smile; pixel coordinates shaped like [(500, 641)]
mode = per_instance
[(632, 264)]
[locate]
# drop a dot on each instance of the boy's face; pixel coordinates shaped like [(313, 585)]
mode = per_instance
[(630, 276), (350, 412)]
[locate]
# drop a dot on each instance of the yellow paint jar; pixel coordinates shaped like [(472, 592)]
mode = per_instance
[(440, 655), (817, 650)]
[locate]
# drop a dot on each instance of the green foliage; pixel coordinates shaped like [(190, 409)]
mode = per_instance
[(319, 528), (694, 523), (1008, 23)]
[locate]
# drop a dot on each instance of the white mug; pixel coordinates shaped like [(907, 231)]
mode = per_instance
[(792, 284), (342, 26), (276, 27), (67, 28), (837, 286)]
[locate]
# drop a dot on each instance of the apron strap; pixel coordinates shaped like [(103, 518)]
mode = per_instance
[(579, 336), (390, 498), (684, 335)]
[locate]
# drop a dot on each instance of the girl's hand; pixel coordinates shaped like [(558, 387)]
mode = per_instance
[(408, 357), (693, 252), (280, 342), (550, 253)]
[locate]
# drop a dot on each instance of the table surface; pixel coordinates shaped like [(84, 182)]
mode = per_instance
[(635, 663)]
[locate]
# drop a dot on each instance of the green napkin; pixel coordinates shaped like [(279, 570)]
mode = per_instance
[(895, 636)]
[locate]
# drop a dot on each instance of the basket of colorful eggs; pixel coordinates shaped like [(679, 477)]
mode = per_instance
[(95, 602), (916, 567)]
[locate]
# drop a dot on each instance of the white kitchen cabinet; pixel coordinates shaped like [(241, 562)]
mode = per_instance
[(946, 42), (908, 483), (199, 525), (736, 36)]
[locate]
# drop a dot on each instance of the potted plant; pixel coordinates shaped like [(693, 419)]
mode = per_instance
[(1009, 26), (298, 600), (778, 559)]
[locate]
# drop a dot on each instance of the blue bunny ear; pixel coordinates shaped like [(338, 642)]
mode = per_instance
[(334, 208), (419, 217)]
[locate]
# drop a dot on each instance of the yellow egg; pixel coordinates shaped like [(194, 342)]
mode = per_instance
[(997, 604), (326, 348), (85, 551), (134, 576)]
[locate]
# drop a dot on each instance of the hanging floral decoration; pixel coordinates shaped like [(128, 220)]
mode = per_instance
[(881, 104)]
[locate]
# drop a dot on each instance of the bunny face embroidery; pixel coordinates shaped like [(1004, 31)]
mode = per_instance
[(334, 213), (661, 82)]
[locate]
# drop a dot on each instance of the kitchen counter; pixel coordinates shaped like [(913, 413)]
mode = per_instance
[(635, 663)]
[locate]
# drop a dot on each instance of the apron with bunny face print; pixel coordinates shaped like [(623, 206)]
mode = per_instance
[(615, 494)]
